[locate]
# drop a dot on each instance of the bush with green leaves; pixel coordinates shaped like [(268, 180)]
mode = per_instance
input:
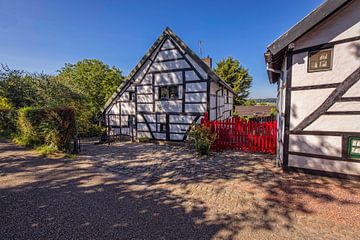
[(201, 138), (7, 122), (53, 127)]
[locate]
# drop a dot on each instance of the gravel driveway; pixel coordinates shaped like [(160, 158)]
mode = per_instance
[(148, 191)]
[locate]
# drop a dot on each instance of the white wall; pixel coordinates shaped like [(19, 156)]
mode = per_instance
[(346, 59), (344, 24)]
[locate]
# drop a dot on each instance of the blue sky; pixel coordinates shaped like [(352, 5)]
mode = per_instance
[(44, 35)]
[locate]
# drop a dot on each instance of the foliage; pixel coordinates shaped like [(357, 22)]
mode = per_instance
[(249, 102), (94, 81), (4, 103), (46, 150), (235, 114), (201, 138), (84, 86), (53, 127), (237, 76), (7, 122), (273, 112)]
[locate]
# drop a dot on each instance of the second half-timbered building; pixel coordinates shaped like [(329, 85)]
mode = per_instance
[(168, 90), (316, 65)]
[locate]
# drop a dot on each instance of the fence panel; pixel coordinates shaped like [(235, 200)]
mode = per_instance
[(240, 134)]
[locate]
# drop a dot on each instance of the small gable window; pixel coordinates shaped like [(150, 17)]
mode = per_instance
[(162, 127), (169, 92), (320, 60), (131, 96), (354, 147)]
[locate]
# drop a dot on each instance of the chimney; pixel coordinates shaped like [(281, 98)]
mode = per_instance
[(208, 61)]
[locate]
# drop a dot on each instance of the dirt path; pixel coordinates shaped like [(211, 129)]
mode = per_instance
[(147, 191)]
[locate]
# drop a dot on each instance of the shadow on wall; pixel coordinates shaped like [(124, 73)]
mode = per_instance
[(151, 198)]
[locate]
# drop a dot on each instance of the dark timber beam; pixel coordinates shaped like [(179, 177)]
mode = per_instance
[(340, 90)]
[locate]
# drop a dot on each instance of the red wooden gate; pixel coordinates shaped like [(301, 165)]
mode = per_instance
[(240, 134)]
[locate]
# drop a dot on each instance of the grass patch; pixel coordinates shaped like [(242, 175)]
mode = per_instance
[(46, 150)]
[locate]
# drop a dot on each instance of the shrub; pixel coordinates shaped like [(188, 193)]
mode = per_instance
[(53, 127), (7, 122), (201, 138)]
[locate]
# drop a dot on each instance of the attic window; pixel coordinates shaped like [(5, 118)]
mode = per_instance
[(131, 96), (354, 147), (169, 92), (320, 60)]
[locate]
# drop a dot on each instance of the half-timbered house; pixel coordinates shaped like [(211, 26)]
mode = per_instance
[(168, 90), (316, 65)]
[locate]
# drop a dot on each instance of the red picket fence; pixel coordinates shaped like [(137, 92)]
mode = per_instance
[(240, 134)]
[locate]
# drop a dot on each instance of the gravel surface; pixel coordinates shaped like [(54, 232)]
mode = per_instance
[(149, 191)]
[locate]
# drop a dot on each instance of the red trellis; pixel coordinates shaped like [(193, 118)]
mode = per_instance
[(240, 134)]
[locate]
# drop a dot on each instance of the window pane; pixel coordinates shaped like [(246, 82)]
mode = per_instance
[(320, 60), (173, 92), (163, 92)]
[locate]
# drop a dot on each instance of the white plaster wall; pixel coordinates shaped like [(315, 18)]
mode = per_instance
[(147, 79), (176, 64), (161, 136), (144, 98), (168, 106), (124, 96), (140, 118), (195, 107), (197, 67), (212, 115), (114, 109), (181, 119), (341, 123), (195, 97), (125, 131), (176, 136), (150, 117), (212, 101), (145, 107), (141, 73), (168, 78), (214, 86), (124, 120), (305, 102), (346, 59), (194, 87), (161, 118), (144, 89), (167, 44), (345, 106), (344, 24), (177, 128), (322, 145), (142, 127), (127, 108), (191, 76), (166, 55), (354, 91), (144, 135), (324, 165)]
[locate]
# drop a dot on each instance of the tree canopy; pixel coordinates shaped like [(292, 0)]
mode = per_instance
[(84, 86), (237, 76)]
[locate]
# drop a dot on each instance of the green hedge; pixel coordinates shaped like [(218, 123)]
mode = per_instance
[(53, 127), (7, 122)]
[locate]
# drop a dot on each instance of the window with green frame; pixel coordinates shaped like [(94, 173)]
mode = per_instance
[(354, 147)]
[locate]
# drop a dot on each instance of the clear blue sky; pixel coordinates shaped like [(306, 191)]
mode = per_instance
[(43, 35)]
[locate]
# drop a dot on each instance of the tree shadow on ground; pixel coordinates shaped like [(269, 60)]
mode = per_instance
[(151, 194)]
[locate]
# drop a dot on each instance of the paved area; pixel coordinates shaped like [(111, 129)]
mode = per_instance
[(148, 191)]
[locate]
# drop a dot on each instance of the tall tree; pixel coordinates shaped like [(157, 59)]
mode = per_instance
[(94, 81), (237, 76)]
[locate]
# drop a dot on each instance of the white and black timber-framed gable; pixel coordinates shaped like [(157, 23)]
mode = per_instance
[(168, 90), (316, 65)]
